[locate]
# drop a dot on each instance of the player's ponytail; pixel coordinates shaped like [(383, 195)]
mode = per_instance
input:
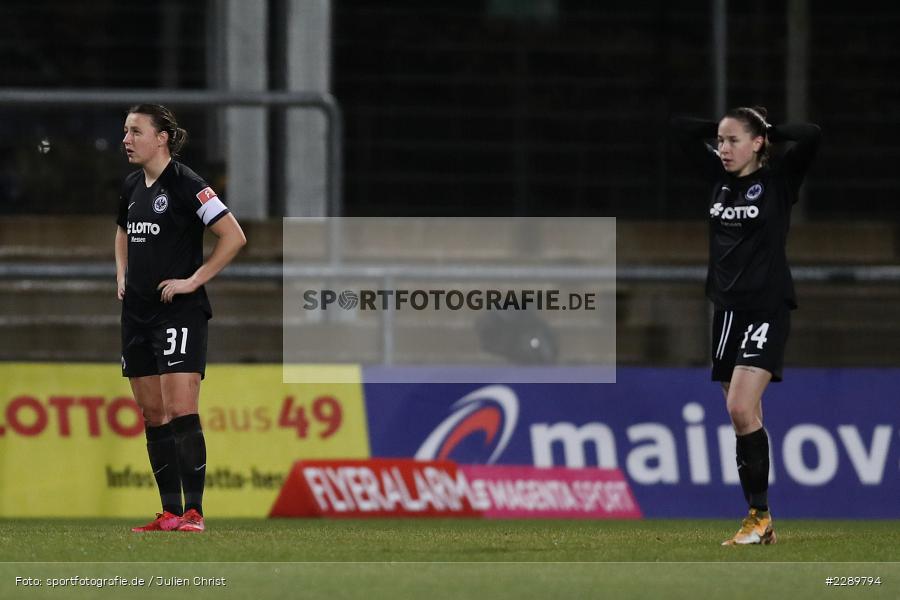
[(163, 119), (754, 119), (177, 140)]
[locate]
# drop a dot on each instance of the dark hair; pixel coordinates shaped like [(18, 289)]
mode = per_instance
[(163, 119), (754, 119)]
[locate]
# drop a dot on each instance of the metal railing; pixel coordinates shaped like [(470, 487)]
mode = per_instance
[(389, 275), (192, 98), (623, 273)]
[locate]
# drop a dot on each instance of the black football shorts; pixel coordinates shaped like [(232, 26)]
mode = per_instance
[(749, 338), (178, 345)]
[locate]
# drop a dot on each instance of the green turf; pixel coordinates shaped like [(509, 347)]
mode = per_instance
[(229, 540), (453, 558)]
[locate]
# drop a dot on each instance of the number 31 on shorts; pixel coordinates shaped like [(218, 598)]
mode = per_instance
[(172, 339), (758, 336)]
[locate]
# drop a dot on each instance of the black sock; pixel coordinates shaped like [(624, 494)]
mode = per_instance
[(164, 462), (744, 475), (191, 459), (753, 468)]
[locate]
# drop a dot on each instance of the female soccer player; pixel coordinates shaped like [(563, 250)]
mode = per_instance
[(163, 210), (748, 279)]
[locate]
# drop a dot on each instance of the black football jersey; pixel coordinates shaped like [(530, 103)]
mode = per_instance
[(750, 216), (164, 225)]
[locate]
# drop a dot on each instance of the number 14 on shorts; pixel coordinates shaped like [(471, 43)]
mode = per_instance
[(758, 336)]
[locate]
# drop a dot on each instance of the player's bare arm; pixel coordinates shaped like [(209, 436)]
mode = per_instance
[(121, 261), (231, 240)]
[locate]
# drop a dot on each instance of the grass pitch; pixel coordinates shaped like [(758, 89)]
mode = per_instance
[(438, 558)]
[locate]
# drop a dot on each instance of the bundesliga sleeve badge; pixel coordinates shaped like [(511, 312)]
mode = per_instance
[(211, 207), (205, 195)]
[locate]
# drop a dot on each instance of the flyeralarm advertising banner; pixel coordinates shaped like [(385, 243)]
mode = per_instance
[(551, 493), (391, 487), (375, 488), (74, 432), (835, 448)]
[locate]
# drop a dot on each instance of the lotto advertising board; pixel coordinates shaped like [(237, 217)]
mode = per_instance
[(835, 449), (72, 438)]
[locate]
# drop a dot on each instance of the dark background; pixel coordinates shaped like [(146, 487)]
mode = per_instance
[(475, 107)]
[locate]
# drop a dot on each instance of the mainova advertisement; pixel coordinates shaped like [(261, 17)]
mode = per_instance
[(834, 436)]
